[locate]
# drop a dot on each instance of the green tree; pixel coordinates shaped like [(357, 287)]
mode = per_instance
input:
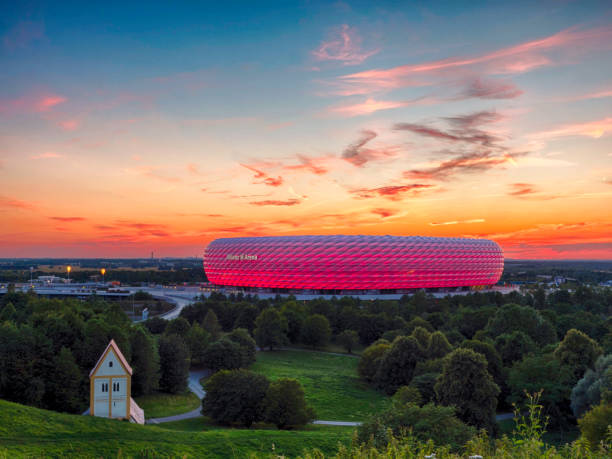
[(246, 317), (270, 329), (407, 394), (546, 374), (348, 339), (370, 360), (235, 397), (397, 366), (578, 352), (247, 346), (438, 346), (66, 383), (179, 326), (494, 363), (316, 330), (595, 386), (428, 423), (512, 347), (513, 317), (211, 324), (422, 335), (174, 361), (295, 314), (285, 404), (466, 384), (144, 363), (197, 339), (596, 424), (223, 354)]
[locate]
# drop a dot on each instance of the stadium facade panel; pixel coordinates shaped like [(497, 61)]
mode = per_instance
[(353, 262)]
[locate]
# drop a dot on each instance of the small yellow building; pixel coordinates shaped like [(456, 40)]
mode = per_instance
[(110, 383)]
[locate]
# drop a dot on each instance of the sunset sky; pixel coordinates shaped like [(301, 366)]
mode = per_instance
[(128, 128)]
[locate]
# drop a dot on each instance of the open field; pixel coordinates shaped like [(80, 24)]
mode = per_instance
[(330, 381), (27, 432), (161, 405)]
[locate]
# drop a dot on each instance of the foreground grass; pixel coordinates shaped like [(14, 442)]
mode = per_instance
[(550, 437), (31, 432), (160, 405), (330, 381)]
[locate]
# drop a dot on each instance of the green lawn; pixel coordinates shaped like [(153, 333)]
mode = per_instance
[(30, 432), (330, 381), (160, 405)]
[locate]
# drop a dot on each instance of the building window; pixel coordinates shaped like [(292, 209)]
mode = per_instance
[(104, 387), (110, 364)]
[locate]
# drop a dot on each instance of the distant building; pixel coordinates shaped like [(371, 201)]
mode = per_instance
[(110, 383), (347, 263)]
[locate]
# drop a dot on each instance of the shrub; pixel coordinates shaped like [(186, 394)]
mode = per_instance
[(224, 354), (285, 404), (247, 346), (596, 424), (407, 394), (235, 397), (370, 360)]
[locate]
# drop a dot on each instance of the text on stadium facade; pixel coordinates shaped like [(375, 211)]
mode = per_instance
[(242, 256)]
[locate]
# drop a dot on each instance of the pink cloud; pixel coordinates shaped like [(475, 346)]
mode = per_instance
[(270, 202), (314, 165), (68, 219), (490, 89), (31, 103), (514, 59), (370, 105), (344, 47), (69, 125), (47, 155), (8, 202)]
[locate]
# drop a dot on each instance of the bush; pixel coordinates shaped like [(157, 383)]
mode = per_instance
[(316, 331), (370, 360), (223, 355), (430, 422), (407, 394), (285, 404), (596, 424), (397, 366), (466, 384), (593, 387), (235, 397), (578, 352), (247, 346)]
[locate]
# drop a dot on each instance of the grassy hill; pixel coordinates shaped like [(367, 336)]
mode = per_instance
[(31, 432), (330, 382)]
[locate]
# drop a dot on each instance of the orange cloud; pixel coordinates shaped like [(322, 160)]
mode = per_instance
[(265, 178), (458, 222), (394, 192), (270, 202), (47, 155), (13, 203)]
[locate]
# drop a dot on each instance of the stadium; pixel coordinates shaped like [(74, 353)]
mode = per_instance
[(352, 264)]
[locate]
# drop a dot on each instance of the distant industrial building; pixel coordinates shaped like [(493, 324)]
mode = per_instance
[(353, 263)]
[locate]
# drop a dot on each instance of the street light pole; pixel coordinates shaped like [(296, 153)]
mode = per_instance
[(31, 271), (103, 272), (68, 268)]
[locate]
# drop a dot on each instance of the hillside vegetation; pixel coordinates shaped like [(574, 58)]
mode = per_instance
[(27, 432)]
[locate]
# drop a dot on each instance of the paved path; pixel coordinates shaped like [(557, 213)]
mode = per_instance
[(177, 417), (338, 423)]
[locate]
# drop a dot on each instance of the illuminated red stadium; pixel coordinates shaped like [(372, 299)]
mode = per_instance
[(353, 262)]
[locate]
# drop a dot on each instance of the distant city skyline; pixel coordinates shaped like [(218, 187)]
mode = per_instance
[(129, 128)]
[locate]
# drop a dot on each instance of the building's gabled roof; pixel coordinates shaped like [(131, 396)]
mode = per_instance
[(117, 351), (136, 413)]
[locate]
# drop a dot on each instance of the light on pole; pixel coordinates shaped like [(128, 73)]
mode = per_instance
[(31, 271), (68, 269), (103, 272)]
